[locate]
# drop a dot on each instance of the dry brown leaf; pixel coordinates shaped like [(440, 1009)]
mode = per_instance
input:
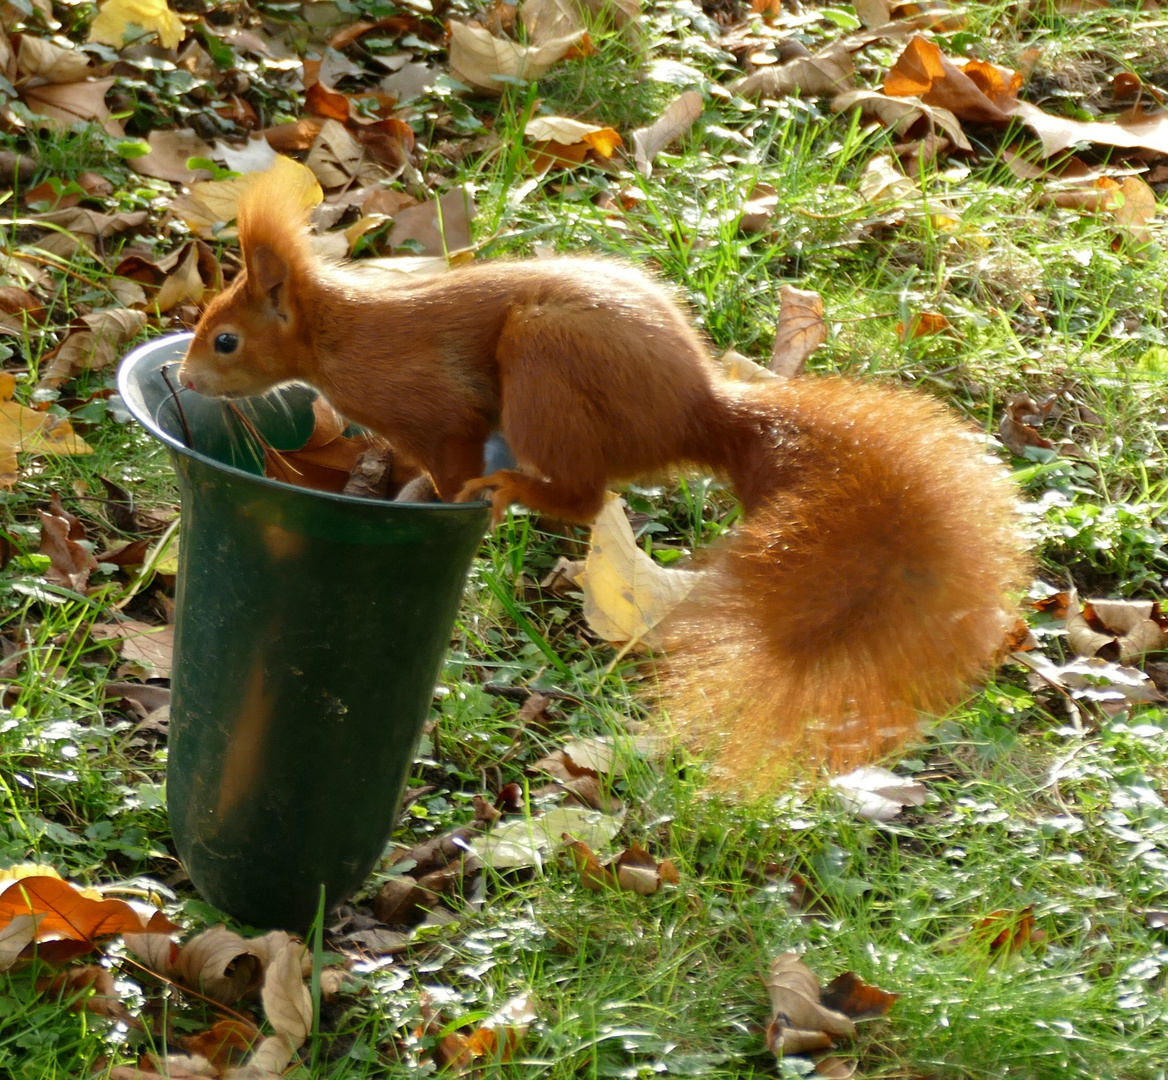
[(882, 180), (223, 1043), (900, 114), (550, 20), (827, 72), (1018, 431), (850, 995), (78, 228), (626, 593), (923, 71), (91, 988), (169, 151), (1116, 630), (185, 285), (95, 341), (759, 208), (593, 876), (873, 12), (567, 132), (801, 330), (142, 643), (336, 155), (40, 58), (440, 225), (671, 125), (876, 794), (800, 1022), (739, 368), (478, 57), (1135, 208), (71, 561), (70, 103), (65, 912)]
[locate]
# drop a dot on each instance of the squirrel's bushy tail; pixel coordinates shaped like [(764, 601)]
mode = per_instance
[(869, 585)]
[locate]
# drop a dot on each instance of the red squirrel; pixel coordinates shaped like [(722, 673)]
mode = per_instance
[(870, 578)]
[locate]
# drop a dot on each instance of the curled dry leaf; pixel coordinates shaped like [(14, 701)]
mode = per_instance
[(90, 988), (1094, 679), (478, 58), (287, 1003), (672, 124), (800, 1021), (71, 562), (1116, 630), (801, 330), (626, 593), (1017, 431), (827, 72), (900, 114), (739, 368), (759, 208), (42, 59), (850, 995), (876, 794), (15, 937)]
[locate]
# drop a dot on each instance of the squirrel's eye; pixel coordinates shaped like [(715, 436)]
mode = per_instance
[(226, 343)]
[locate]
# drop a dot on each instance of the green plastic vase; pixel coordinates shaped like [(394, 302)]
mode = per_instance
[(310, 629)]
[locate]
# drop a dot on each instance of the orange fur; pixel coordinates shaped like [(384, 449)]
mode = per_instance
[(869, 579)]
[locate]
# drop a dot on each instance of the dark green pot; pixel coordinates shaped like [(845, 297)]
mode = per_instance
[(309, 632)]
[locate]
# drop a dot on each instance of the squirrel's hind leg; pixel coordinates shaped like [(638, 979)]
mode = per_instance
[(578, 503)]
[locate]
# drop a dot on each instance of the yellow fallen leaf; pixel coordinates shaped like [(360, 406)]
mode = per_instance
[(567, 132), (212, 203), (28, 431), (116, 18), (626, 593)]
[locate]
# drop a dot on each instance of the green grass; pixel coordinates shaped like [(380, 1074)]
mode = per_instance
[(1030, 806)]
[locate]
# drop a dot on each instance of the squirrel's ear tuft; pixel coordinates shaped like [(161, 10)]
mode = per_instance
[(273, 215)]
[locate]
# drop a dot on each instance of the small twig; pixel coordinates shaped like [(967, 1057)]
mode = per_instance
[(178, 405), (521, 693)]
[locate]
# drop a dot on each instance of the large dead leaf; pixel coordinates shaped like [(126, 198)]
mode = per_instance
[(140, 643), (70, 103), (24, 430), (169, 151), (95, 341), (801, 330), (671, 125), (827, 72), (923, 71), (900, 114), (66, 913), (626, 593), (37, 57), (478, 58), (876, 794), (77, 228), (440, 226)]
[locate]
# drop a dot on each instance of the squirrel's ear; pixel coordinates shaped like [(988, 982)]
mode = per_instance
[(267, 272)]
